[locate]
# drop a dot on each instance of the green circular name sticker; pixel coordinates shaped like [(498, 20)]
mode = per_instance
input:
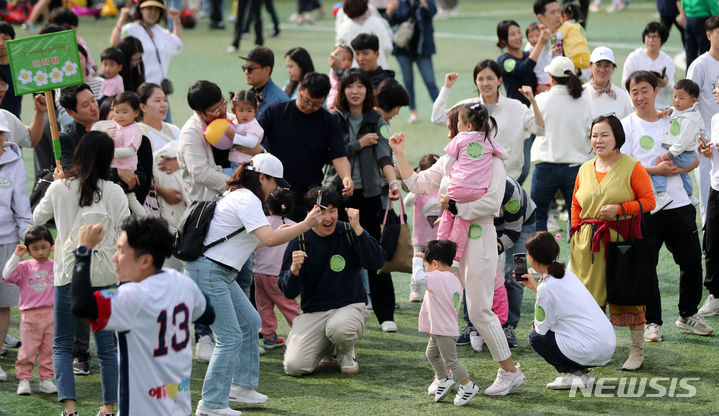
[(475, 150), (646, 142), (337, 263), (509, 65), (512, 206), (475, 232), (539, 314), (384, 131), (674, 129)]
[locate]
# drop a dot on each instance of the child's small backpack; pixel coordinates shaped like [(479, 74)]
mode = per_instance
[(192, 230)]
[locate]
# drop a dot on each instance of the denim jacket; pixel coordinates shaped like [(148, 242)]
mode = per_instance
[(371, 158)]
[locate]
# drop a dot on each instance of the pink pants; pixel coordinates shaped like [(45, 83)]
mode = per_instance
[(36, 334), (267, 295), (457, 228)]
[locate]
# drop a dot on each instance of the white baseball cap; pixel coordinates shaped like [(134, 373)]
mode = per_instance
[(270, 166), (559, 66), (602, 53), (3, 123)]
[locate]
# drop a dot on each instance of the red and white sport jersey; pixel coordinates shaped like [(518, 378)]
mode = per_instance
[(153, 319)]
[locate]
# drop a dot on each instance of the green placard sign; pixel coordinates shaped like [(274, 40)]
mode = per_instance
[(44, 62)]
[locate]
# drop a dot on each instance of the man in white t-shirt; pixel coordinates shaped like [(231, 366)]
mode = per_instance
[(550, 16), (675, 225), (705, 72), (606, 98), (151, 313)]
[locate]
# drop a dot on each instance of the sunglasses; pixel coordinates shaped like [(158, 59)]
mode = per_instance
[(249, 69)]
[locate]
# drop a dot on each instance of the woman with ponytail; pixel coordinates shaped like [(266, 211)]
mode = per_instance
[(236, 320), (570, 331), (564, 147), (268, 262)]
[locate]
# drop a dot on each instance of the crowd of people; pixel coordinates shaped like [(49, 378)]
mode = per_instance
[(298, 176)]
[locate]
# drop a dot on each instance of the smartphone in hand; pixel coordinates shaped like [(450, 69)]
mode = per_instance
[(520, 266)]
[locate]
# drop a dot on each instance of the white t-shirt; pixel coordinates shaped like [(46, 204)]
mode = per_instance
[(604, 104), (582, 331), (705, 72), (715, 155), (239, 208), (566, 127), (165, 43), (640, 61), (153, 319), (644, 143)]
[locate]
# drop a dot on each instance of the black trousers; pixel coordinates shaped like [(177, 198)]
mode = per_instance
[(678, 230), (711, 243), (668, 21), (381, 287), (270, 7), (254, 6), (547, 348)]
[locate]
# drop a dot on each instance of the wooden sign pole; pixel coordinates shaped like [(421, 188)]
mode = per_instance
[(50, 103)]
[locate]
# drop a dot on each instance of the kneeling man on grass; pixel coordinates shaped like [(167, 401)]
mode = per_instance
[(323, 266)]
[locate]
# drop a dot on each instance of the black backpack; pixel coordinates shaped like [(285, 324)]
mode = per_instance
[(192, 230)]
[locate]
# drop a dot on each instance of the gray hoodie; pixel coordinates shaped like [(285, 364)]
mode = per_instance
[(14, 201)]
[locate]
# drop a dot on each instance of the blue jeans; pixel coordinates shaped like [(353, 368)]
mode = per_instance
[(245, 278), (547, 348), (426, 70), (236, 358), (62, 347), (515, 291), (546, 180), (683, 160)]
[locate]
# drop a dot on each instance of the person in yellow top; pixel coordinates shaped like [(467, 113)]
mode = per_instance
[(609, 185), (575, 42)]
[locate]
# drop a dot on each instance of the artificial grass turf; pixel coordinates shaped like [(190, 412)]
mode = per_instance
[(394, 373)]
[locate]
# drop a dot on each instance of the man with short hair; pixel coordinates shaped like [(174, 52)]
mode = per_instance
[(258, 70), (550, 16), (82, 106), (605, 97), (305, 137), (675, 225), (333, 298), (151, 313), (366, 47), (12, 102)]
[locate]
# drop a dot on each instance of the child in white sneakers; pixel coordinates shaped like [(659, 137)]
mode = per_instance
[(426, 211), (37, 293), (438, 317), (268, 262), (681, 140)]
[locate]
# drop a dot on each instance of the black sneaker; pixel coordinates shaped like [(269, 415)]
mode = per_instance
[(220, 25), (81, 366), (275, 33), (464, 335), (511, 338)]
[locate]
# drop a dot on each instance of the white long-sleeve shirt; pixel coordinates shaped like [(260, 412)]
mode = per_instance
[(566, 126), (640, 61), (375, 25), (510, 133)]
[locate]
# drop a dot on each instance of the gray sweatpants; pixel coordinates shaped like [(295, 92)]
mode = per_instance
[(442, 353)]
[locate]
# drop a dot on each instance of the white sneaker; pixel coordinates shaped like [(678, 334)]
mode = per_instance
[(662, 200), (595, 7), (653, 333), (567, 380), (432, 389), (389, 326), (23, 388), (348, 362), (617, 6), (3, 375), (552, 225), (415, 295), (262, 350), (465, 393), (694, 324), (231, 49), (505, 382), (204, 348), (444, 387), (47, 386), (210, 411), (710, 307), (11, 341), (476, 341), (243, 395)]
